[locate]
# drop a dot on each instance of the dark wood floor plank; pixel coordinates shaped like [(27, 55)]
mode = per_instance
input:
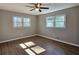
[(52, 47)]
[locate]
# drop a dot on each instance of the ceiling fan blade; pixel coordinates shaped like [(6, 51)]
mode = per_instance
[(33, 3), (30, 6), (44, 8), (31, 9), (40, 10)]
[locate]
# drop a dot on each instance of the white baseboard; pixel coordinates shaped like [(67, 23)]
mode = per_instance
[(41, 36), (59, 40), (18, 38)]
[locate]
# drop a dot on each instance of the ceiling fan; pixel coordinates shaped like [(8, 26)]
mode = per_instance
[(37, 7)]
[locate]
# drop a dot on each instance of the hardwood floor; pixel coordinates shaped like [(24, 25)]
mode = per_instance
[(52, 47)]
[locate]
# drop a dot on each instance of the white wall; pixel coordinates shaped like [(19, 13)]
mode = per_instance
[(7, 31), (69, 34)]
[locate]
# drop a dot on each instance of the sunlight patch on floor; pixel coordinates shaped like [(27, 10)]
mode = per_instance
[(22, 45), (30, 52), (29, 44), (31, 49), (38, 49)]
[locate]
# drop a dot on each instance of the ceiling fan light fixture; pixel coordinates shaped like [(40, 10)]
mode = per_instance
[(37, 9), (38, 5)]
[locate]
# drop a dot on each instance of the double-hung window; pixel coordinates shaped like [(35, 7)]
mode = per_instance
[(19, 22), (55, 21)]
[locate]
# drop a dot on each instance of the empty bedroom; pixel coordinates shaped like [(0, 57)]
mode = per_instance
[(39, 28)]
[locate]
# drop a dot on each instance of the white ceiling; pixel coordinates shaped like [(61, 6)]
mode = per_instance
[(21, 7)]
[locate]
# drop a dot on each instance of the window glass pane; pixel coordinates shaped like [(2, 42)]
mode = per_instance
[(50, 25), (17, 21), (60, 21), (14, 21), (50, 21), (26, 25), (26, 22), (59, 18), (59, 24)]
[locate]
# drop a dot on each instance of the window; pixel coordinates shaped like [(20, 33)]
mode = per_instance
[(26, 22), (59, 21), (50, 21), (56, 21), (17, 21)]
